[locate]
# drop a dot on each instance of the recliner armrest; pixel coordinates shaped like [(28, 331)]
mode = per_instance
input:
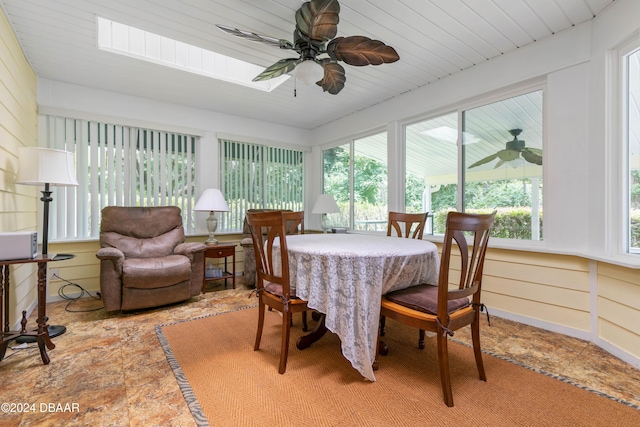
[(189, 248), (113, 254)]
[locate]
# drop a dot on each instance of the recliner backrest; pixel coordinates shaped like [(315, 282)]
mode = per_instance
[(142, 232)]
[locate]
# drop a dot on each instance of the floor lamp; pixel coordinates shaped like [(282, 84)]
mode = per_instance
[(46, 167), (324, 205)]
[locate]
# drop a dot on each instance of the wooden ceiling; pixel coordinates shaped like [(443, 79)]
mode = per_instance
[(434, 38)]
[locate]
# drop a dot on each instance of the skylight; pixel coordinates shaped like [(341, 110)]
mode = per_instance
[(136, 43)]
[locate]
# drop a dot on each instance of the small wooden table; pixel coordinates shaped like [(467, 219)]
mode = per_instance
[(41, 332), (221, 251)]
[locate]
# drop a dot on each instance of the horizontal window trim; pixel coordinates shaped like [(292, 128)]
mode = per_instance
[(261, 141), (120, 121)]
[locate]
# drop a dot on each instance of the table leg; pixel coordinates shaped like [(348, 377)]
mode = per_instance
[(305, 341)]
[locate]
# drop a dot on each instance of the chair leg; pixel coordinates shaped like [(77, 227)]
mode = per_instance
[(477, 351), (260, 325), (421, 340), (443, 361), (305, 328), (284, 348), (383, 321)]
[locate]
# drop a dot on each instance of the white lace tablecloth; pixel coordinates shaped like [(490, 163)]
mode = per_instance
[(344, 277)]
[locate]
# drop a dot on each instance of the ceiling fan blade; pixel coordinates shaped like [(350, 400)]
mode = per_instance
[(334, 78), (485, 160), (279, 68), (361, 50), (532, 155), (254, 37), (317, 20)]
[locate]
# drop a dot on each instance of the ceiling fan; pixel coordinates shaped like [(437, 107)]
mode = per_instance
[(316, 27), (513, 150)]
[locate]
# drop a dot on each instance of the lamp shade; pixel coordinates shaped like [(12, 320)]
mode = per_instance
[(40, 166), (211, 200), (309, 72), (325, 204)]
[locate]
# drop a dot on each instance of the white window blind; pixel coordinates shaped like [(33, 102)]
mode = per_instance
[(258, 177), (119, 166)]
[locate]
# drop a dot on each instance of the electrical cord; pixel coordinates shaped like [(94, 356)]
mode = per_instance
[(83, 292), (15, 350)]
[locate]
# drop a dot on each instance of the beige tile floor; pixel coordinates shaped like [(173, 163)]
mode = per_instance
[(112, 368)]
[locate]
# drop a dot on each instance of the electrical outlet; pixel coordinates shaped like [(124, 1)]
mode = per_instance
[(52, 272)]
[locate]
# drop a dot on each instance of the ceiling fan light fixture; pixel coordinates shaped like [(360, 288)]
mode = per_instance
[(309, 72)]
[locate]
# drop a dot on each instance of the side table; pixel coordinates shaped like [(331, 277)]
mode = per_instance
[(41, 332), (221, 251)]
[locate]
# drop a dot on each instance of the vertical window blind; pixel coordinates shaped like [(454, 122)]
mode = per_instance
[(119, 165), (258, 177)]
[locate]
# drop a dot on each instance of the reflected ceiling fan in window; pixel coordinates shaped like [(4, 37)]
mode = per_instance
[(513, 150), (316, 27)]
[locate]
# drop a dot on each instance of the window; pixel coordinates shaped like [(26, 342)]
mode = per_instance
[(119, 166), (431, 176), (258, 177), (355, 174), (632, 134), (478, 160)]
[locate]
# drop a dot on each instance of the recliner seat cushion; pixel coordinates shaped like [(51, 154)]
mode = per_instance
[(150, 273)]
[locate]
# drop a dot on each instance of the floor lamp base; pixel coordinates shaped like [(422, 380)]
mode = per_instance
[(54, 331)]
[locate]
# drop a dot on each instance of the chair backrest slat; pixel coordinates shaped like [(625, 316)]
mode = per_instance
[(294, 222), (409, 219), (459, 225), (270, 246)]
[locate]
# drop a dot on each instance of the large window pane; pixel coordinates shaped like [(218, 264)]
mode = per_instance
[(633, 141), (337, 182), (258, 177), (502, 152), (119, 166), (431, 180), (370, 183), (355, 174)]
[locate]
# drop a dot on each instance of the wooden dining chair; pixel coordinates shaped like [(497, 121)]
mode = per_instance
[(272, 281), (294, 222), (442, 309), (396, 219), (408, 220)]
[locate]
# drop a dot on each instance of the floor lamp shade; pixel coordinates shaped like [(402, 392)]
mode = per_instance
[(40, 166), (211, 201)]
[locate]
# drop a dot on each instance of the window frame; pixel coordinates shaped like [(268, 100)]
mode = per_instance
[(476, 102), (350, 141), (60, 131), (265, 151), (621, 68)]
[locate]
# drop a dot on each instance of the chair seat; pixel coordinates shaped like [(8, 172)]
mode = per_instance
[(152, 273), (424, 298), (276, 289)]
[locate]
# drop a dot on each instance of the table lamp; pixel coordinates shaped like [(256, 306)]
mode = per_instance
[(325, 204), (213, 201), (46, 167)]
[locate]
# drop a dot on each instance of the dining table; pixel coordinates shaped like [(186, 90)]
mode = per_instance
[(343, 277)]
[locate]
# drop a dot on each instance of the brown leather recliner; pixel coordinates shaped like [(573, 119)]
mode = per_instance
[(144, 260)]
